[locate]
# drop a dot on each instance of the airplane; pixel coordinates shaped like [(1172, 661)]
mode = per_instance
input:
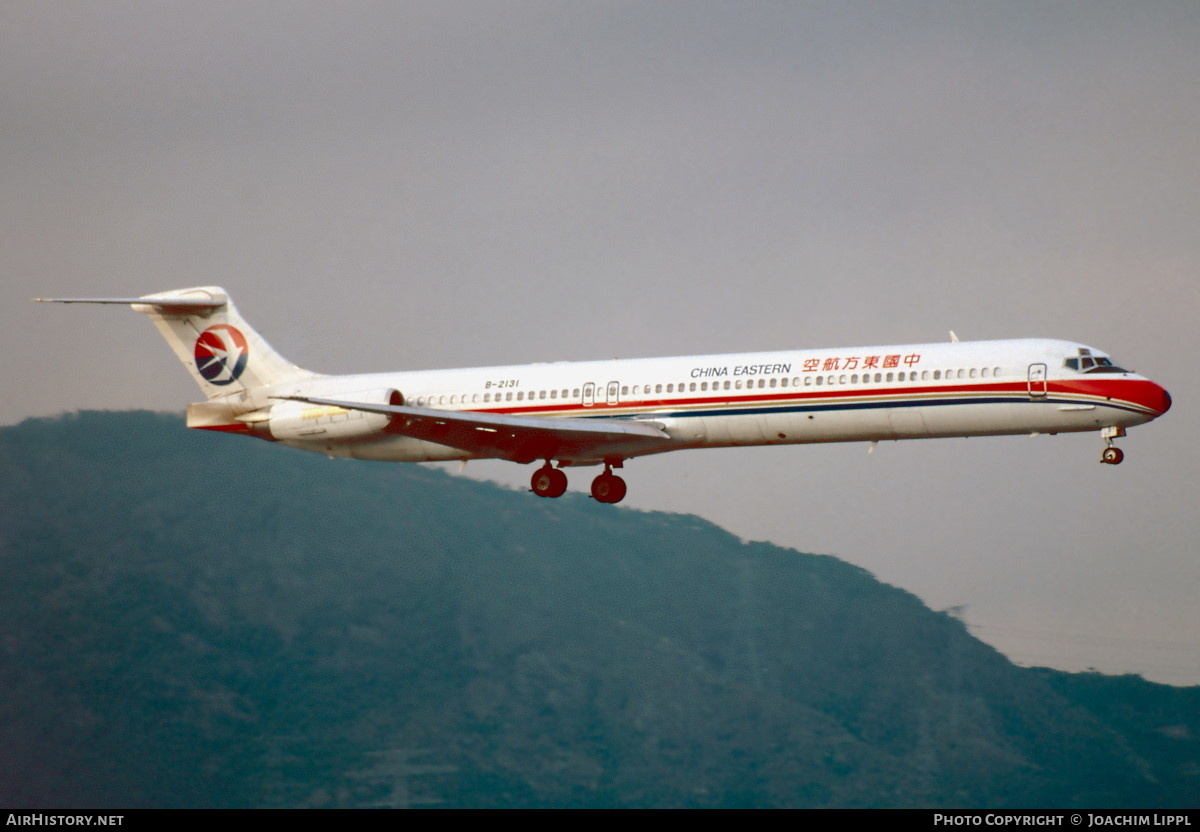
[(570, 414)]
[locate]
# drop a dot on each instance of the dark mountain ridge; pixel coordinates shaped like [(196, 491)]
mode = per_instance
[(190, 619)]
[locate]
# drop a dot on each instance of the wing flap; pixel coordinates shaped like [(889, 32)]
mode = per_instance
[(515, 438)]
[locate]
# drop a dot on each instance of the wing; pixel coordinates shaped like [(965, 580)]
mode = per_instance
[(517, 438)]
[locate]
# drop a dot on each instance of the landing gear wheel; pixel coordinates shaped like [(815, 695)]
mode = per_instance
[(1112, 456), (548, 482), (608, 488)]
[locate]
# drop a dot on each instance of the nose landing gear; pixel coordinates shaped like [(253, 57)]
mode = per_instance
[(1112, 455)]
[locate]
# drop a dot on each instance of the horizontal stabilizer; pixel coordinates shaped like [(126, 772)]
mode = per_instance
[(166, 303), (221, 351)]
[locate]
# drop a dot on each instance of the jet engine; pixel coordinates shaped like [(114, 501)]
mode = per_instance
[(302, 421)]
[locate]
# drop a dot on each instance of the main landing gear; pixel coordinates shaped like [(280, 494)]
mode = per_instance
[(1112, 455), (549, 481), (608, 487)]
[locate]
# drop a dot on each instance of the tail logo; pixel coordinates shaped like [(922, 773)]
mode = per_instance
[(221, 354)]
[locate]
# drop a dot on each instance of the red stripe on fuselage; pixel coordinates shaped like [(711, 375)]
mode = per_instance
[(1141, 393)]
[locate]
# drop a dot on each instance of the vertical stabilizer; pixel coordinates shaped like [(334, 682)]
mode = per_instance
[(224, 354)]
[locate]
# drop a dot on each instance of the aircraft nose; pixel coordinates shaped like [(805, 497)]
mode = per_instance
[(1149, 396), (1157, 399), (1165, 404)]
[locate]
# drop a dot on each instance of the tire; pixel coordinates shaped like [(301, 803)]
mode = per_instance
[(548, 482), (608, 488)]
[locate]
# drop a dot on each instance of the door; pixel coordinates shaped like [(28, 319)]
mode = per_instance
[(1037, 381), (614, 391)]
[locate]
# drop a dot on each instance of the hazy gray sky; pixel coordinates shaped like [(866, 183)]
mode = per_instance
[(401, 185)]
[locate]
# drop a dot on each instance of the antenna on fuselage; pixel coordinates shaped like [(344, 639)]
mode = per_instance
[(953, 337)]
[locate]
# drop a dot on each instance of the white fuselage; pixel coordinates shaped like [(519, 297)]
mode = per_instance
[(829, 395), (604, 412)]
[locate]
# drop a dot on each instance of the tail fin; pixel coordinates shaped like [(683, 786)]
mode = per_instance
[(222, 352)]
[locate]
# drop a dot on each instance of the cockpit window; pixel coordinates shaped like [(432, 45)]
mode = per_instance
[(1085, 362)]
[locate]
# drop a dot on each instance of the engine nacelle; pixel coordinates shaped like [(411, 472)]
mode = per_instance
[(301, 421)]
